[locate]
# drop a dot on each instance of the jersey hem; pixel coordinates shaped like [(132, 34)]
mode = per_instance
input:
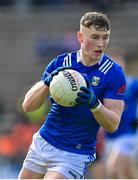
[(65, 148)]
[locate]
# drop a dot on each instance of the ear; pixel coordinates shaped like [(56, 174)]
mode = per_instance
[(80, 37)]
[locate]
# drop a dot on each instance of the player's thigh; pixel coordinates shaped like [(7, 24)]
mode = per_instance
[(118, 161), (54, 175), (28, 174), (123, 161)]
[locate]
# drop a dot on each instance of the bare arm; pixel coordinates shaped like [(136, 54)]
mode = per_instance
[(109, 114), (35, 97)]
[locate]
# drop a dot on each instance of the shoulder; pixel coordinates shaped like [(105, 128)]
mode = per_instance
[(64, 59), (114, 78), (109, 64), (110, 68)]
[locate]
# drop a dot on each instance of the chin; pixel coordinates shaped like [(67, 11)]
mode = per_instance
[(96, 58)]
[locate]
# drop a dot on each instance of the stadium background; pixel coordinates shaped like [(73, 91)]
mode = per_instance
[(33, 32)]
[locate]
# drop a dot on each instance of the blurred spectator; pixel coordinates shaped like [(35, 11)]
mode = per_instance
[(16, 131), (13, 146), (120, 145)]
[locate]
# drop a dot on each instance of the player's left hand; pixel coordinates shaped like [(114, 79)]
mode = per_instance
[(49, 78), (87, 96)]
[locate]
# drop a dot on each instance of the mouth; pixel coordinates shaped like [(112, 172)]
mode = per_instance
[(98, 52)]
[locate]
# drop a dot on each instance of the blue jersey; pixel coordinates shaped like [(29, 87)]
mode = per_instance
[(74, 129), (130, 114)]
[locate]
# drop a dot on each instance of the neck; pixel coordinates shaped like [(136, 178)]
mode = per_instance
[(86, 60)]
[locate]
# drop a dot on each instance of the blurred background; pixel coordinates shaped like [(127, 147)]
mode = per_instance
[(32, 32)]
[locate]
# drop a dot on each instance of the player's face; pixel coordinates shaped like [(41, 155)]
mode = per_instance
[(93, 42)]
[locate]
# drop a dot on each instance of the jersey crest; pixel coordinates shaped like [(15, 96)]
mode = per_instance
[(95, 80)]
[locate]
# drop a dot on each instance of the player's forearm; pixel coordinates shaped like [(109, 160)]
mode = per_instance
[(107, 118), (35, 97)]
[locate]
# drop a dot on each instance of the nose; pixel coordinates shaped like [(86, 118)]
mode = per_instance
[(100, 43)]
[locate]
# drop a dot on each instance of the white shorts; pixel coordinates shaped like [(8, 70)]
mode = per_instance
[(43, 157), (123, 144)]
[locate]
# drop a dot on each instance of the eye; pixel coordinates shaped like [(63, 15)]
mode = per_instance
[(94, 37), (106, 37)]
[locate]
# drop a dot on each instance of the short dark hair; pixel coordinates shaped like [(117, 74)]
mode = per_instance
[(96, 19)]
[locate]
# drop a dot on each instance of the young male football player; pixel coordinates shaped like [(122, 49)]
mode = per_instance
[(65, 144)]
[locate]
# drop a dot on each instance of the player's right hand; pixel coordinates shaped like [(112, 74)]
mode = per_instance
[(49, 78)]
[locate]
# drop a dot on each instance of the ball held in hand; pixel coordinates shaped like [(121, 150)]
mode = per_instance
[(65, 86)]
